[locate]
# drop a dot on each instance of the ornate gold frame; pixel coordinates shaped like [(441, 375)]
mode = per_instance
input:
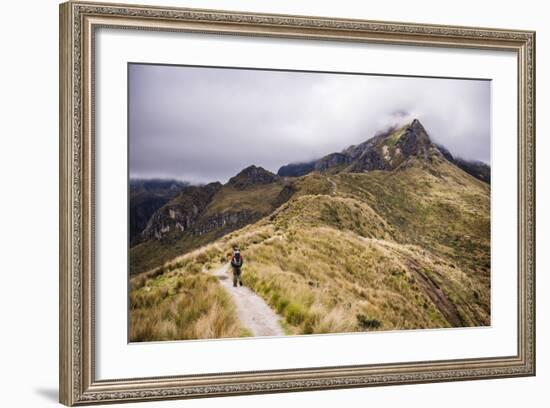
[(78, 20)]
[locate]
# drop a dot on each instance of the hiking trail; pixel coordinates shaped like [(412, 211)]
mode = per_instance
[(334, 186), (252, 310)]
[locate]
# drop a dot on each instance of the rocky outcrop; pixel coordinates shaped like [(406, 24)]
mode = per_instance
[(332, 160), (180, 214), (371, 159), (146, 197), (226, 222), (296, 169), (251, 176), (142, 208), (414, 141)]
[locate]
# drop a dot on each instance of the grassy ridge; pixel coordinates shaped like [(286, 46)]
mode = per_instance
[(406, 249)]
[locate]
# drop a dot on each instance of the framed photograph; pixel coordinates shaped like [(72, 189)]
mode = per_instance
[(256, 203)]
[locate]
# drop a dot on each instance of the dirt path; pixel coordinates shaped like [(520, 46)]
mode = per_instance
[(334, 186), (252, 310)]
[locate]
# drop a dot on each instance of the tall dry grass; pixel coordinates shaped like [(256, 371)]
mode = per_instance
[(181, 304), (323, 280)]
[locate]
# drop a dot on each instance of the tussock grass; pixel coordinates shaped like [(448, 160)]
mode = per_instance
[(181, 304), (318, 290)]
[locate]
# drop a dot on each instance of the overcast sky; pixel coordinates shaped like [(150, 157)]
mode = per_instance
[(207, 124)]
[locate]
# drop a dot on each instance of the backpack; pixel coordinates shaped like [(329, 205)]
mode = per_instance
[(237, 260)]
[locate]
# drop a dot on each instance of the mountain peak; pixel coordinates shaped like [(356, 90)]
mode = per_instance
[(415, 140), (387, 150), (252, 175), (417, 127)]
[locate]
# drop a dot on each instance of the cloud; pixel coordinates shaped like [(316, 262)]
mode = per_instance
[(206, 124)]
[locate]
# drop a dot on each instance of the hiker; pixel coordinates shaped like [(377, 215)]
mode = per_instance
[(236, 264)]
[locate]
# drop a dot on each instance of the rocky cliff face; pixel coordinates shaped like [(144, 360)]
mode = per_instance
[(226, 222), (142, 208), (146, 197), (181, 213), (414, 141), (332, 160), (187, 213)]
